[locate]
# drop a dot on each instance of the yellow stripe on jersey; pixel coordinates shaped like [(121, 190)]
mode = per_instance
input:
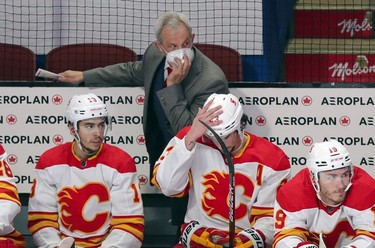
[(302, 233), (257, 213), (16, 238), (131, 224), (9, 192), (153, 179), (94, 241), (244, 147), (259, 178), (365, 233), (39, 220)]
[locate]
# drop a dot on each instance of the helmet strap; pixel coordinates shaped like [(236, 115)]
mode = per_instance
[(79, 144), (315, 184), (347, 187)]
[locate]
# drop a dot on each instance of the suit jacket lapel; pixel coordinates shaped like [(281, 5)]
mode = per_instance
[(155, 57)]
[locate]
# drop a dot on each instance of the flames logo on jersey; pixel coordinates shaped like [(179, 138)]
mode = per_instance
[(215, 196), (77, 203), (342, 231)]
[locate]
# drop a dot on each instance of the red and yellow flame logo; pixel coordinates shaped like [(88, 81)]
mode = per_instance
[(75, 202), (215, 199)]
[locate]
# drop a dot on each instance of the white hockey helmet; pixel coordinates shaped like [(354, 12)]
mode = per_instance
[(326, 156), (83, 107), (231, 116)]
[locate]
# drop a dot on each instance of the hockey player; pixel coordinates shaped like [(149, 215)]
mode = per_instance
[(331, 197), (86, 189), (193, 163), (10, 205)]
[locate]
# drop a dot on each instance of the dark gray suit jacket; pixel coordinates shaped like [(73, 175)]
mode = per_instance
[(180, 102)]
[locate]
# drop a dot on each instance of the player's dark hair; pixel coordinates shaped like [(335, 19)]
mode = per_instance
[(244, 120)]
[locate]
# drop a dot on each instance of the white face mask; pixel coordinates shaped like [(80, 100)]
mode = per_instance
[(179, 54)]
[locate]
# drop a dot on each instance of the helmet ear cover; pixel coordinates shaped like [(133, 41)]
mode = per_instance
[(231, 117)]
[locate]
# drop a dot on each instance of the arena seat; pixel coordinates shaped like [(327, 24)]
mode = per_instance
[(84, 56), (228, 59), (17, 63)]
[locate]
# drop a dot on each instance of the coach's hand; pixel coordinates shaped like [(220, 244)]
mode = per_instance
[(73, 77)]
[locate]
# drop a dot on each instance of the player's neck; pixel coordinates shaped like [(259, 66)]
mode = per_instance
[(79, 151), (243, 139)]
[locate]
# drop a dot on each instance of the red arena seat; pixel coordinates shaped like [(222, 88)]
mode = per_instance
[(86, 56)]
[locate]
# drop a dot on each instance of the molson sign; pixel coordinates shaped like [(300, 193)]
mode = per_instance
[(330, 60), (333, 23)]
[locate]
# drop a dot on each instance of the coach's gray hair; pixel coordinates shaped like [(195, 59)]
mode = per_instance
[(172, 20)]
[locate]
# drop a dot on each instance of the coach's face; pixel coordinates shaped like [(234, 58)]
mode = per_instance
[(174, 39)]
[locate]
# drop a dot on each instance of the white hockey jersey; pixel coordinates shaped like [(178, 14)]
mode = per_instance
[(10, 204), (301, 216), (96, 201), (202, 173)]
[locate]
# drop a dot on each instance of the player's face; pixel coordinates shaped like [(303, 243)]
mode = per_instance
[(333, 184), (232, 142), (91, 133), (174, 39)]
